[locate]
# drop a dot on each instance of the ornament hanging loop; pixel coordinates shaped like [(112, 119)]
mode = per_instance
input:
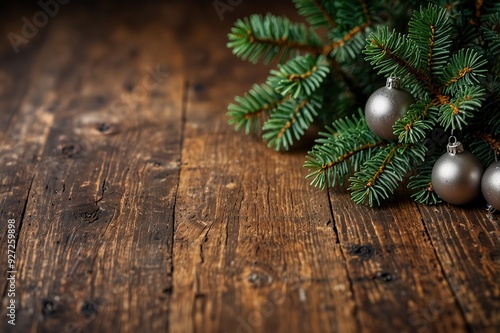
[(454, 146), (393, 82)]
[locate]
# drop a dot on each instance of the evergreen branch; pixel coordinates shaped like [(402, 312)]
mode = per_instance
[(247, 111), (381, 174), (300, 76), (351, 31), (396, 54), (325, 13), (327, 173), (348, 46), (343, 149), (317, 13), (489, 9), (463, 69), (478, 4), (418, 121), (366, 12), (422, 185), (284, 43), (455, 113), (266, 37), (290, 120), (326, 166), (492, 34), (383, 166), (492, 104), (347, 37), (493, 142), (431, 31)]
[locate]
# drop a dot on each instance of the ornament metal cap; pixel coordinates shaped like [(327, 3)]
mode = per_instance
[(454, 146), (393, 82)]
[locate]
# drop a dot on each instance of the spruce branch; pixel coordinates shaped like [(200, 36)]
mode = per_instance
[(430, 31), (464, 68), (421, 184), (395, 54), (381, 175), (491, 32), (248, 110), (319, 13), (347, 145), (493, 142), (349, 39), (478, 5), (418, 121), (455, 113), (290, 120), (267, 37), (300, 76)]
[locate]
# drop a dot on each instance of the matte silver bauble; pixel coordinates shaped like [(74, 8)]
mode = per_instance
[(490, 185), (456, 176), (385, 106)]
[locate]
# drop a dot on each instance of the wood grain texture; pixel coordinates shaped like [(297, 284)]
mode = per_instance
[(140, 209), (250, 252), (96, 241), (467, 243), (392, 261)]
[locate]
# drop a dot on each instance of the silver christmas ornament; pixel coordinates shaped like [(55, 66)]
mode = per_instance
[(456, 176), (385, 106), (490, 185)]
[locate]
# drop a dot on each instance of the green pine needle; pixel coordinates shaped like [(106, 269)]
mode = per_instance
[(265, 38), (463, 69), (422, 186), (455, 113), (248, 110), (394, 54), (347, 145), (299, 77), (418, 121), (430, 30), (381, 174), (319, 13), (290, 120)]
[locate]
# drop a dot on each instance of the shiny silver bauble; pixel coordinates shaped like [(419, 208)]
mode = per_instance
[(456, 176), (385, 106), (490, 185)]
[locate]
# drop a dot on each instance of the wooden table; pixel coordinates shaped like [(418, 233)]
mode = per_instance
[(138, 209)]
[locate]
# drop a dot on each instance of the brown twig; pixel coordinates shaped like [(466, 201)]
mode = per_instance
[(325, 14), (494, 142), (348, 155)]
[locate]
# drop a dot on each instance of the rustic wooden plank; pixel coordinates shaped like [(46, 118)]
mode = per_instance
[(396, 276), (251, 251), (95, 246), (467, 243), (25, 120)]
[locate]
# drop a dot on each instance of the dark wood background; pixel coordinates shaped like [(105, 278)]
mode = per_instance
[(138, 208)]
